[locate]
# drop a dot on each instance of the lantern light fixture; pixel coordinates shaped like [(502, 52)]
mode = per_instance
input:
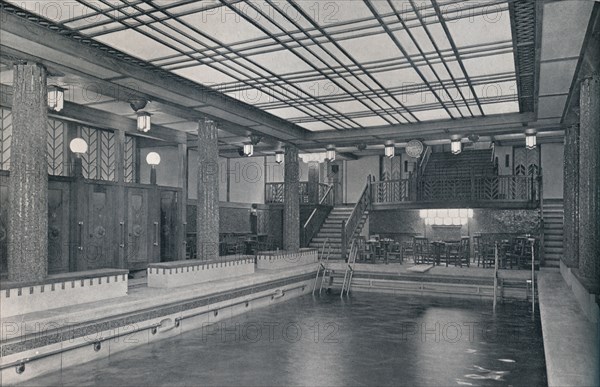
[(153, 159), (144, 122), (248, 149), (530, 139), (279, 157), (455, 144), (330, 153), (390, 149), (78, 146), (56, 98)]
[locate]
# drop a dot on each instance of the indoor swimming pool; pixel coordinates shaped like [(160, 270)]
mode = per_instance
[(368, 339)]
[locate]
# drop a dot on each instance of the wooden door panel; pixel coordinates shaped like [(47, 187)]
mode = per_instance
[(58, 227), (168, 226), (138, 229), (99, 236)]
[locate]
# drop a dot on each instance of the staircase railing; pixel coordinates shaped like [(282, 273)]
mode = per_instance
[(317, 217), (424, 160), (349, 225)]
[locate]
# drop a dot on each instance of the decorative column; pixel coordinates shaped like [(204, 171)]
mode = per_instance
[(291, 201), (28, 186), (207, 220), (589, 171), (571, 197), (313, 182)]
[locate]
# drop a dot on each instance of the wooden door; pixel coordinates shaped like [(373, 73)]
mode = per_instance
[(169, 221), (97, 232), (58, 227), (142, 228)]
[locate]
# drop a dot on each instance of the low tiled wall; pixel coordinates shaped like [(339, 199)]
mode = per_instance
[(270, 260), (62, 290), (190, 272)]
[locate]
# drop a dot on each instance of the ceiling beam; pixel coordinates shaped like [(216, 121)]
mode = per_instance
[(102, 119), (73, 54)]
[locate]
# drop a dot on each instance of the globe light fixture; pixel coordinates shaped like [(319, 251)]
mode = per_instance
[(78, 146), (153, 159)]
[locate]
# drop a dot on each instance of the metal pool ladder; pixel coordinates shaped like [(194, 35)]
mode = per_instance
[(349, 268), (323, 260)]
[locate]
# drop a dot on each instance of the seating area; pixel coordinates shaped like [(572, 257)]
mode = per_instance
[(236, 244), (513, 253)]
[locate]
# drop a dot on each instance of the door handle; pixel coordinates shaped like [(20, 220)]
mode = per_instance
[(122, 225), (80, 247), (155, 233)]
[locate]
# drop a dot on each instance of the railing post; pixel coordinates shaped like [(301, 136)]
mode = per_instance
[(343, 246)]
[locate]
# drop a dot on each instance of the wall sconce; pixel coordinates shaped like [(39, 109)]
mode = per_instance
[(279, 157), (153, 159), (455, 144), (530, 139), (330, 153), (56, 98), (143, 122), (390, 149)]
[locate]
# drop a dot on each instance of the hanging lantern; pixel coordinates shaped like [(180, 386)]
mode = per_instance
[(330, 153), (279, 157), (248, 149), (455, 145), (390, 149), (530, 139), (143, 121), (56, 98)]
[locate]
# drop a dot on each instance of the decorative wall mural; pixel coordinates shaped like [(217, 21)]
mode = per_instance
[(129, 162), (99, 163)]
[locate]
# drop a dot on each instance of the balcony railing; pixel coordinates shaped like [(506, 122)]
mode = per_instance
[(509, 188), (310, 193)]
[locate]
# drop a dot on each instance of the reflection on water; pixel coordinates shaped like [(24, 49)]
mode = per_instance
[(370, 339)]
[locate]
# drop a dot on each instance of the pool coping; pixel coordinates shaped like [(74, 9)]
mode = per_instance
[(570, 338)]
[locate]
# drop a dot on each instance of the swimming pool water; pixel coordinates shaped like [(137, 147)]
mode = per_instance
[(368, 339)]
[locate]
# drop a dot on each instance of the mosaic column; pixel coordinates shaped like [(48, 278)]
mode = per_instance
[(28, 183), (207, 219), (589, 171), (313, 182), (571, 197), (291, 201)]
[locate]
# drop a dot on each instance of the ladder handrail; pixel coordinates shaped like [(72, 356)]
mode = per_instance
[(349, 268), (322, 265)]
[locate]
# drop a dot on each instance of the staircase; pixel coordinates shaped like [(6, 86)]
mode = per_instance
[(478, 161), (332, 229), (553, 232)]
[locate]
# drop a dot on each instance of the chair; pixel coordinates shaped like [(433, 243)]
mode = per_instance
[(488, 254), (395, 251), (421, 250), (477, 248), (453, 253), (465, 246)]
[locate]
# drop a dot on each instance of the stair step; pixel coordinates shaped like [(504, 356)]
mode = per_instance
[(553, 243), (553, 250)]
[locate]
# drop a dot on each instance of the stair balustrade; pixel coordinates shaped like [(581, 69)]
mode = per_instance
[(318, 216), (350, 225)]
